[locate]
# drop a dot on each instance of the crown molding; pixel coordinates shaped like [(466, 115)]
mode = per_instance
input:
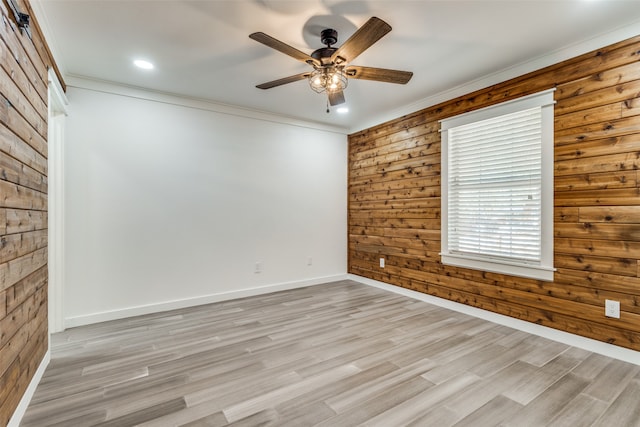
[(548, 59)]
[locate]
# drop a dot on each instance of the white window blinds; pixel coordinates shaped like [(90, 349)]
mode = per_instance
[(497, 188)]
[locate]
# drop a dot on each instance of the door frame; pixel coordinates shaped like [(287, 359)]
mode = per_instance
[(56, 201)]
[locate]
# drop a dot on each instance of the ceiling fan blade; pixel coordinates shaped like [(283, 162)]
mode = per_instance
[(378, 74), (276, 44), (372, 31), (283, 81), (336, 98)]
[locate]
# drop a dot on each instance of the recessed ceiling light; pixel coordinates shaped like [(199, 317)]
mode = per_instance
[(343, 110), (141, 63)]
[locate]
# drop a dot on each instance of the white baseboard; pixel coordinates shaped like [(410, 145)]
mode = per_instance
[(16, 418), (588, 344), (573, 340), (123, 313)]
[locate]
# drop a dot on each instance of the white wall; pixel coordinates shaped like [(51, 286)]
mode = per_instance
[(167, 202)]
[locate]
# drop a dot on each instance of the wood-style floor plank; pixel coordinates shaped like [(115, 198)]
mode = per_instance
[(337, 354)]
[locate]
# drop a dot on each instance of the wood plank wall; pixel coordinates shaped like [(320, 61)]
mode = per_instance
[(23, 206), (394, 201)]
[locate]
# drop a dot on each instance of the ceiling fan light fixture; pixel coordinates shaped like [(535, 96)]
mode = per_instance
[(328, 79)]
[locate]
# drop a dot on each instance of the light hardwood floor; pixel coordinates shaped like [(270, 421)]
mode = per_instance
[(338, 354)]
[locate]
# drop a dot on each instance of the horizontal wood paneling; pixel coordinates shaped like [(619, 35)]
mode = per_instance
[(598, 148), (20, 220), (17, 172), (394, 201), (23, 206), (13, 246)]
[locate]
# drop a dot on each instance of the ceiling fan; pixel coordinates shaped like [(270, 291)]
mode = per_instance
[(330, 64)]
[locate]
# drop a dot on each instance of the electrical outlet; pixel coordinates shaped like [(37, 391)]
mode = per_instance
[(258, 267), (612, 308), (381, 262), (309, 261)]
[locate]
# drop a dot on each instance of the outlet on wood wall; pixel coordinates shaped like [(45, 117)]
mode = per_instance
[(394, 201)]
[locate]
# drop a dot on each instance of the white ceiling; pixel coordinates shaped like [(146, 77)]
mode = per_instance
[(201, 49)]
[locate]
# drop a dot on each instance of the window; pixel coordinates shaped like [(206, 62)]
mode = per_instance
[(497, 188)]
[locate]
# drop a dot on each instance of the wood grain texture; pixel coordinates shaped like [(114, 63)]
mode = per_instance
[(335, 354), (394, 201), (23, 207)]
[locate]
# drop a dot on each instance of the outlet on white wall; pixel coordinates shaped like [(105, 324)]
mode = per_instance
[(612, 308)]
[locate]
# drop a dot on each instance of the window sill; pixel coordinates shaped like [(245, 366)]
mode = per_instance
[(499, 266)]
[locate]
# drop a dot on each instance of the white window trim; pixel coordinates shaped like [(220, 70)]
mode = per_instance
[(544, 270)]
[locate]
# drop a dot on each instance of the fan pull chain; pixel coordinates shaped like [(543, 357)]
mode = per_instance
[(328, 106)]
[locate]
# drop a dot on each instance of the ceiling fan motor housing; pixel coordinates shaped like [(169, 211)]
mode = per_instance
[(323, 53)]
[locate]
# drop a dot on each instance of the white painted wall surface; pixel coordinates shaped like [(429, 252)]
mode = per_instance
[(167, 202)]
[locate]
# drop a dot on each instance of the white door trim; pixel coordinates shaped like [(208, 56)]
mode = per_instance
[(57, 112)]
